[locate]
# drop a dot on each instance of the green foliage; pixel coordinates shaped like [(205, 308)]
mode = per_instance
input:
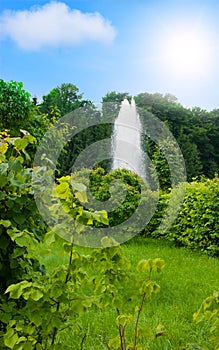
[(19, 115), (65, 97), (90, 128), (129, 307), (112, 103), (209, 311), (162, 168), (44, 301), (195, 130), (15, 106), (49, 301), (53, 299), (196, 225), (125, 198), (19, 214), (192, 156), (39, 303), (100, 183), (71, 194)]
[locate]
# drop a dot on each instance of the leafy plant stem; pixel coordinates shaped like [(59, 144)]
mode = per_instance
[(121, 333), (69, 264), (58, 303), (55, 328), (83, 340), (137, 321)]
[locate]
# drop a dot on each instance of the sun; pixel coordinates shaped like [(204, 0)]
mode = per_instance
[(186, 52)]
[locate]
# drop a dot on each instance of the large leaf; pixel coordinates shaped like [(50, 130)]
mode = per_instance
[(16, 290)]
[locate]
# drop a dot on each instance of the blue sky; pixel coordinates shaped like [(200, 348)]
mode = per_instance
[(113, 45)]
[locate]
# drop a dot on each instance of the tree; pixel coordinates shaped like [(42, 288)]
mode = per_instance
[(114, 96), (112, 103), (89, 130), (195, 130), (66, 97), (191, 154), (15, 106)]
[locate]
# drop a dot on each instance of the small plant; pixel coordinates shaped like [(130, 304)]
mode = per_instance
[(48, 301), (135, 288), (209, 311)]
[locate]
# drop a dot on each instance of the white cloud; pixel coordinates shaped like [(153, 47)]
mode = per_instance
[(53, 25)]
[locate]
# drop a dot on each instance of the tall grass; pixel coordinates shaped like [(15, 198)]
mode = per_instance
[(186, 280)]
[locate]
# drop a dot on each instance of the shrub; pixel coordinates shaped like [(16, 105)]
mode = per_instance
[(197, 225), (19, 213)]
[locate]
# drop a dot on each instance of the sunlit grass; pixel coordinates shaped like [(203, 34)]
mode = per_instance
[(186, 280)]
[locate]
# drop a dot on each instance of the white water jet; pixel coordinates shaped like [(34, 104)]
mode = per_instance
[(126, 140)]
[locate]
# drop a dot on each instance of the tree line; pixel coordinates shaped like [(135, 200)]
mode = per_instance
[(195, 130)]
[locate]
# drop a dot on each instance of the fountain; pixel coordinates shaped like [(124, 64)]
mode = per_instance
[(126, 140)]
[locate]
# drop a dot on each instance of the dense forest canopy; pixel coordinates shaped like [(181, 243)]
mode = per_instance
[(196, 130)]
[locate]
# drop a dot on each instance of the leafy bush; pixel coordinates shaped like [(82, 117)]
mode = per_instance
[(15, 106), (152, 229), (100, 187), (20, 221), (19, 213), (128, 201), (197, 224)]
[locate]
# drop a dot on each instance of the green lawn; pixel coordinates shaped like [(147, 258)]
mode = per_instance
[(186, 280)]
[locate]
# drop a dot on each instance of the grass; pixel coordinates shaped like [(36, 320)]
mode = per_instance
[(186, 280)]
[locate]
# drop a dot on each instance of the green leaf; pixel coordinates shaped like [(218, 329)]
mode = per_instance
[(124, 319), (28, 346), (81, 196), (15, 165), (36, 294), (101, 216), (3, 180), (19, 219), (63, 190), (4, 168), (21, 144), (10, 339), (144, 265), (16, 290), (67, 247), (5, 223), (77, 186), (108, 242), (49, 237), (158, 264)]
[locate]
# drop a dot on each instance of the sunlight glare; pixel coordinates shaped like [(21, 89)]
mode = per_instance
[(187, 53)]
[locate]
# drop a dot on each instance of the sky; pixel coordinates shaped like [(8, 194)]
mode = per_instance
[(100, 46)]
